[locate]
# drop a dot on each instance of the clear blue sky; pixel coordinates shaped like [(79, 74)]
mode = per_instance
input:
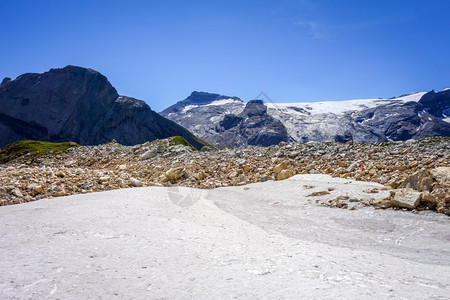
[(304, 50)]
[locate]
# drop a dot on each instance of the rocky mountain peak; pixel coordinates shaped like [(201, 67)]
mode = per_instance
[(201, 98), (197, 98), (5, 81), (77, 104), (255, 108)]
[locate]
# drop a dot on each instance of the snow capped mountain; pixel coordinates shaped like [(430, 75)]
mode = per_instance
[(201, 112), (338, 107), (340, 121), (409, 116)]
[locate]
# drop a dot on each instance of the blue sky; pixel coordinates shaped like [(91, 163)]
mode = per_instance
[(293, 50)]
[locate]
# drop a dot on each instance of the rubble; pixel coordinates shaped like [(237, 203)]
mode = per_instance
[(421, 165)]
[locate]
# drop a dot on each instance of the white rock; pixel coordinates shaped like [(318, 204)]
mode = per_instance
[(17, 193), (135, 182), (442, 176), (407, 198), (149, 154)]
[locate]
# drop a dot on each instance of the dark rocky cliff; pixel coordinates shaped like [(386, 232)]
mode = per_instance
[(79, 105)]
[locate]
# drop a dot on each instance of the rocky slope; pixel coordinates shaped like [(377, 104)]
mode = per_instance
[(416, 173), (80, 105), (412, 116)]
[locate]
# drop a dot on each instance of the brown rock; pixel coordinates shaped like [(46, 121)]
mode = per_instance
[(284, 174), (174, 173), (442, 176), (420, 181), (200, 176), (278, 168), (371, 191), (59, 174), (342, 164), (37, 189), (321, 193), (428, 198), (439, 192)]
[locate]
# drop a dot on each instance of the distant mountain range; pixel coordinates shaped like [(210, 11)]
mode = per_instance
[(80, 105), (220, 119)]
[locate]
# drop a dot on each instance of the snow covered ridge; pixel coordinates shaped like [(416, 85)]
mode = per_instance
[(214, 103), (338, 107), (411, 116)]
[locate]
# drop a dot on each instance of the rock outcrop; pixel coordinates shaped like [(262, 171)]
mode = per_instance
[(253, 126), (80, 105)]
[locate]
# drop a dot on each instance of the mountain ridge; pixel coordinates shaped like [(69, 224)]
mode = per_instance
[(410, 116)]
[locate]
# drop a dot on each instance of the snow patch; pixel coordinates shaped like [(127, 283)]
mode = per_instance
[(223, 102), (411, 98), (189, 107), (214, 103), (335, 107)]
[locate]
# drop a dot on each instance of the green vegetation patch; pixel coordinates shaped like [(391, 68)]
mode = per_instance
[(179, 140), (32, 149)]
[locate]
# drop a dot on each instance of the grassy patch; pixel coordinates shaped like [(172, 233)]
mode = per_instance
[(32, 149), (179, 140)]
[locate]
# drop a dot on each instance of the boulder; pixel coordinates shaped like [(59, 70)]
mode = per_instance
[(135, 182), (278, 168), (149, 154), (420, 181), (407, 198), (284, 174), (174, 173), (442, 176), (428, 198)]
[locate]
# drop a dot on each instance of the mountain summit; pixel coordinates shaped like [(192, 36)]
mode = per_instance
[(77, 104)]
